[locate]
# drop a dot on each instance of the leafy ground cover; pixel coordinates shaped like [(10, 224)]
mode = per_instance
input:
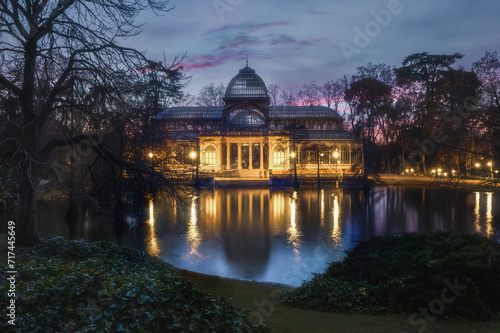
[(260, 300), (69, 286), (443, 274)]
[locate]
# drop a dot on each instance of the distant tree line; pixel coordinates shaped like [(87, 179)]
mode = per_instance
[(423, 114)]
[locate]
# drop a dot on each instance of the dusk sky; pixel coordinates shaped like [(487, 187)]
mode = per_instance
[(292, 42)]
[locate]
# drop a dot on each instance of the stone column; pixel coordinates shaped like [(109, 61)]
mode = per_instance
[(261, 155), (228, 156), (250, 156), (239, 157)]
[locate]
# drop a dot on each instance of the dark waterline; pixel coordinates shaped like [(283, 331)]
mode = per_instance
[(281, 236)]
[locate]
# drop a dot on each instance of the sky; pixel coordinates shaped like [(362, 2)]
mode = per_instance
[(293, 42)]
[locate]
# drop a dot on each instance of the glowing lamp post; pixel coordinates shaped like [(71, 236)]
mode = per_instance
[(336, 157), (491, 169), (295, 179), (319, 160), (151, 157), (194, 157)]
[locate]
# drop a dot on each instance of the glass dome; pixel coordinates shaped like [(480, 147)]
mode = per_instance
[(246, 84), (247, 117)]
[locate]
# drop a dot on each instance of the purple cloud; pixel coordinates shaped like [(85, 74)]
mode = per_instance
[(247, 27)]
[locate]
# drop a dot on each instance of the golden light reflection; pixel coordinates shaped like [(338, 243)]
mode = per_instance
[(193, 234), (278, 205), (152, 246), (489, 215), (294, 235), (322, 208), (211, 210), (477, 224), (336, 230)]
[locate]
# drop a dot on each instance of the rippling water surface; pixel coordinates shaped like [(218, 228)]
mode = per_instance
[(282, 236)]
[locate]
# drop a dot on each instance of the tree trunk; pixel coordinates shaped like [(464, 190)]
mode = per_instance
[(26, 212), (27, 228)]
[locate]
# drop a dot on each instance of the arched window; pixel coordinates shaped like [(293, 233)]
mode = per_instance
[(247, 118), (346, 154), (210, 155), (279, 156)]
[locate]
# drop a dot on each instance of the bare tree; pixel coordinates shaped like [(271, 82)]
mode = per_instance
[(288, 98), (310, 94), (273, 90), (48, 47), (211, 95), (332, 93)]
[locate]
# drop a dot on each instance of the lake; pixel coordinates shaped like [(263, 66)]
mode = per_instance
[(281, 236)]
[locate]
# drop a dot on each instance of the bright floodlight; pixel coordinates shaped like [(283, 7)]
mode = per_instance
[(293, 155), (336, 154), (478, 165), (490, 164), (192, 155), (151, 155)]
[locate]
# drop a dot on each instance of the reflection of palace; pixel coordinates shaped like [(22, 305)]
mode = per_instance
[(247, 135)]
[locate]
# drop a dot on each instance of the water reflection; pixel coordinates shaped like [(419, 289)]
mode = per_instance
[(152, 246), (294, 234), (336, 230), (483, 213), (489, 216), (285, 236), (193, 235)]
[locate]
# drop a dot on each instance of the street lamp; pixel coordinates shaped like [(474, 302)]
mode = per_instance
[(151, 157), (336, 157), (295, 179), (194, 156), (491, 169), (319, 159)]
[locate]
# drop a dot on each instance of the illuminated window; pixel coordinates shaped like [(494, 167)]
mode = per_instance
[(279, 157), (210, 155), (346, 154)]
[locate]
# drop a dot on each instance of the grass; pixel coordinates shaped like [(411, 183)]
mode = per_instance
[(257, 297)]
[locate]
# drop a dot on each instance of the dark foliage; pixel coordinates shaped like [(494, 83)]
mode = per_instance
[(406, 272), (75, 286)]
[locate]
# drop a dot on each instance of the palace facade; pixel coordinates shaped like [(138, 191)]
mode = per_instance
[(248, 138)]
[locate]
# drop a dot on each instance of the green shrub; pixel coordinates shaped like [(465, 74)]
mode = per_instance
[(101, 287), (405, 272)]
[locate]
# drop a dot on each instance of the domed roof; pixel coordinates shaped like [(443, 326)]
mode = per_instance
[(246, 84)]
